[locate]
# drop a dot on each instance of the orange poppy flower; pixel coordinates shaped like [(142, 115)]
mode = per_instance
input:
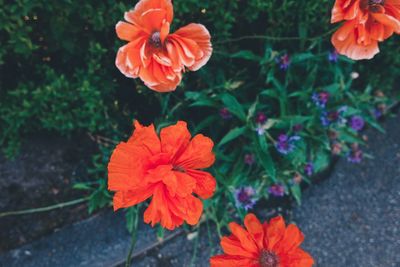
[(165, 168), (262, 245), (154, 55), (367, 22)]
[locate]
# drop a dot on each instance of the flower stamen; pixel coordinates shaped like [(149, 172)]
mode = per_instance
[(268, 259), (155, 39)]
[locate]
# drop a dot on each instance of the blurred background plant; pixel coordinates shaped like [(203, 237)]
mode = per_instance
[(282, 98)]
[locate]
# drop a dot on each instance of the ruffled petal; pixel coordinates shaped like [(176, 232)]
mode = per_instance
[(146, 137), (175, 139), (197, 154), (125, 199), (134, 16), (345, 42), (196, 42), (388, 21), (205, 183), (128, 32)]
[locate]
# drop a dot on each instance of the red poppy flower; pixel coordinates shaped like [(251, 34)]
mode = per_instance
[(367, 22), (262, 245), (166, 169), (154, 55)]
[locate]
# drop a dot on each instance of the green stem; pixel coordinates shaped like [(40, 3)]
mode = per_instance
[(43, 209), (275, 38), (135, 219)]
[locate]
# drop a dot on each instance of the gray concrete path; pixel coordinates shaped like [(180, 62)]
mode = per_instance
[(353, 217)]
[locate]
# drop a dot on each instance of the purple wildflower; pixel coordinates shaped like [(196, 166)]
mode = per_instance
[(320, 99), (249, 159), (277, 190), (357, 123), (245, 197), (333, 56), (309, 169), (355, 155), (286, 144), (283, 61), (330, 117), (225, 113), (261, 118), (377, 113)]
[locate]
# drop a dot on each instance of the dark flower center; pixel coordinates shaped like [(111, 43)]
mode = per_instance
[(178, 168), (155, 39), (243, 196), (268, 259), (376, 2)]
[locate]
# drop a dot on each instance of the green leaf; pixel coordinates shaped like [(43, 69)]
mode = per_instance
[(233, 134), (296, 192), (266, 161), (233, 106)]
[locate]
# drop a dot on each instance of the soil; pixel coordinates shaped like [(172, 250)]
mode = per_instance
[(42, 174)]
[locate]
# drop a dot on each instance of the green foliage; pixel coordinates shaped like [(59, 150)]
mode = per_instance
[(58, 60)]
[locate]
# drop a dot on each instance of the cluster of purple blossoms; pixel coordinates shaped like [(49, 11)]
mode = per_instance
[(277, 190), (355, 155), (333, 56), (320, 99), (225, 114), (309, 169), (357, 123), (245, 197), (329, 117), (283, 61), (286, 144)]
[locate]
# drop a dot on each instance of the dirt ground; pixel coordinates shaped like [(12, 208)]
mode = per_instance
[(42, 174)]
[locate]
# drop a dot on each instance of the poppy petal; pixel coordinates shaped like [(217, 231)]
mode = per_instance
[(127, 31), (205, 183), (197, 154), (142, 6), (201, 37), (175, 138)]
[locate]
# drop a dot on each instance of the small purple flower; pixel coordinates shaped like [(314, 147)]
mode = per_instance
[(355, 155), (309, 169), (277, 190), (283, 61), (225, 113), (330, 117), (297, 128), (261, 118), (286, 144), (245, 197), (320, 99), (249, 159), (377, 113), (357, 123), (333, 56)]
